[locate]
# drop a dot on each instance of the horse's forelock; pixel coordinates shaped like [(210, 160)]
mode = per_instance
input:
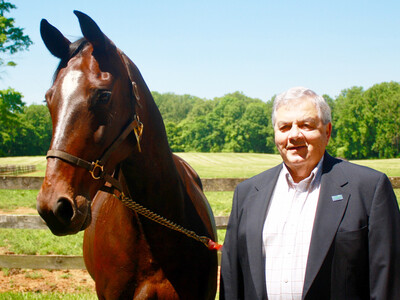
[(74, 49)]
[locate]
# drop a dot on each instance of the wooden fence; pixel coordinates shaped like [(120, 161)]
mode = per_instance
[(209, 184), (16, 169), (50, 262), (76, 262), (34, 183)]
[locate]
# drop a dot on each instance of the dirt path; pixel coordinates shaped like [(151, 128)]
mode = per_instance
[(26, 280)]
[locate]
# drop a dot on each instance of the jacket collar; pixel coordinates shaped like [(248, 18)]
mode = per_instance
[(331, 206), (256, 213)]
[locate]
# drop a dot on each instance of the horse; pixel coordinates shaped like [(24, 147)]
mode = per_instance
[(110, 171)]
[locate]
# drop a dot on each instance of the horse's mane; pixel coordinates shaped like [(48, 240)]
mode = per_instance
[(74, 49)]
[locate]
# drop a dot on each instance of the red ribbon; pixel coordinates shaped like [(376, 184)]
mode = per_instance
[(213, 245)]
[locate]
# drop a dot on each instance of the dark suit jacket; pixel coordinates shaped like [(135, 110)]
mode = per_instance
[(355, 244)]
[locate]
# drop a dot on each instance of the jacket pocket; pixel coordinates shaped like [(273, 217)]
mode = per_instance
[(350, 264), (352, 235)]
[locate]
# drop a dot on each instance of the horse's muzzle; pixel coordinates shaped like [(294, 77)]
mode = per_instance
[(65, 215)]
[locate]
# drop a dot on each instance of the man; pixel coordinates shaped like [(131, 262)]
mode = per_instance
[(314, 227)]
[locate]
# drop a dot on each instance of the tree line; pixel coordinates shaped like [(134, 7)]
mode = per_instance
[(366, 123)]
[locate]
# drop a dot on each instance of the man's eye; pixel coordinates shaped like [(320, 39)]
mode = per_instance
[(308, 126), (284, 128)]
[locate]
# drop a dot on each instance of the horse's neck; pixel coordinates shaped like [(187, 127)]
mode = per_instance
[(151, 175)]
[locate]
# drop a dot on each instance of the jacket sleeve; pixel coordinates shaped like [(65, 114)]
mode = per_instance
[(384, 243), (231, 282)]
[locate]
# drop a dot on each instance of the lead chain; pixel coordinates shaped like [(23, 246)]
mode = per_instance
[(140, 209)]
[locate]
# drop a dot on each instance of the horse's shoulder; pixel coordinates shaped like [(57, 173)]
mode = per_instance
[(186, 171), (192, 183)]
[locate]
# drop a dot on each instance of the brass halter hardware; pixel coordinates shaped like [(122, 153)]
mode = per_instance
[(135, 91), (95, 165), (138, 130)]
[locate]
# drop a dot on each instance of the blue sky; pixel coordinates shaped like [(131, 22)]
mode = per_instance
[(211, 48)]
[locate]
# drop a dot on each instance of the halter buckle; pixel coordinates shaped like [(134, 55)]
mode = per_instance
[(138, 130), (94, 166)]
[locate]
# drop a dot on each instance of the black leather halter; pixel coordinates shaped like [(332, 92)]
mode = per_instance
[(96, 168)]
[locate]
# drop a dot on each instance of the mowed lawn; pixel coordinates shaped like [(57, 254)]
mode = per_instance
[(208, 165), (221, 165)]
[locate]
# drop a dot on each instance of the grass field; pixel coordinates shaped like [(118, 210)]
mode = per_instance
[(49, 296), (208, 165), (43, 242), (221, 165)]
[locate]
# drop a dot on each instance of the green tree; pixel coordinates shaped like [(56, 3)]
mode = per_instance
[(38, 130), (367, 123), (173, 107), (232, 123), (12, 39), (384, 115), (332, 146), (351, 136), (10, 105)]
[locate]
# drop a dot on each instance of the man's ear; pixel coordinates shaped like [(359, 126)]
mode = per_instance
[(328, 131)]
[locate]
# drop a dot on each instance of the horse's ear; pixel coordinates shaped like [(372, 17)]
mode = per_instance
[(54, 40), (91, 31)]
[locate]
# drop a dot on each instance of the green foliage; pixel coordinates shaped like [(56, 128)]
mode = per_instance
[(232, 123), (35, 134), (12, 39), (366, 123), (10, 105), (23, 130), (175, 108)]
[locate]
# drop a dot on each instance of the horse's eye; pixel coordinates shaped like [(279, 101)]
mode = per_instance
[(104, 97)]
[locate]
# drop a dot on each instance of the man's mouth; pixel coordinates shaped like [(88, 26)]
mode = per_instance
[(294, 148)]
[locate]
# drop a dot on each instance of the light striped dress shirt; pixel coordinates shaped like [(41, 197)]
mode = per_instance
[(287, 233)]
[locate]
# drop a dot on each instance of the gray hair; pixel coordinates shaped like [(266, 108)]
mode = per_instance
[(296, 93)]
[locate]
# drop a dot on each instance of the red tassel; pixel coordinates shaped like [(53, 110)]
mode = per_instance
[(213, 245)]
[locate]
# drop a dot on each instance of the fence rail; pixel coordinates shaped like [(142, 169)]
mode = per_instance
[(36, 222), (16, 169), (34, 183), (50, 262), (209, 184), (57, 262)]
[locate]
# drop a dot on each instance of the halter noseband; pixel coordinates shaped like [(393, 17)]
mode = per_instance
[(96, 168)]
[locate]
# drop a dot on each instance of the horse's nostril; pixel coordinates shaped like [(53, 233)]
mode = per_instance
[(64, 211)]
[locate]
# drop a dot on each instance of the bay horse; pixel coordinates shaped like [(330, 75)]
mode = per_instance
[(109, 146)]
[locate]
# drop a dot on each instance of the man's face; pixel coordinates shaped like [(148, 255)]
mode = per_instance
[(300, 136)]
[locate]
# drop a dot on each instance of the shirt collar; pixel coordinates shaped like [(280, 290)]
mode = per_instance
[(310, 182)]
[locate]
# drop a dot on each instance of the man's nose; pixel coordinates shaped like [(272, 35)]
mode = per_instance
[(295, 132)]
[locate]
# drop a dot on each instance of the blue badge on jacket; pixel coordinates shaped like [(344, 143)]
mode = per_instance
[(337, 198)]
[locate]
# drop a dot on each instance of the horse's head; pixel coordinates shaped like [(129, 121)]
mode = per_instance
[(91, 103)]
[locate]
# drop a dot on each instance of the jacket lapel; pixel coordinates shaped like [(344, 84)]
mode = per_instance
[(256, 213), (332, 204)]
